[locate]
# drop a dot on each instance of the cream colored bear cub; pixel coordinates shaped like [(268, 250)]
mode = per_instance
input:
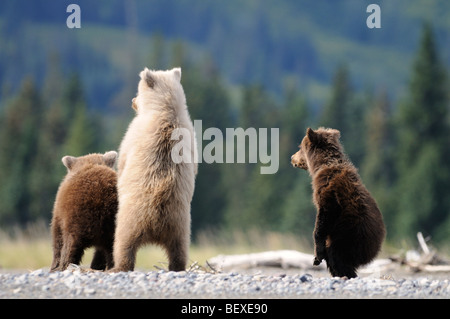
[(155, 193)]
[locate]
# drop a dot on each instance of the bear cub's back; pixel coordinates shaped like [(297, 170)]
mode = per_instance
[(88, 194)]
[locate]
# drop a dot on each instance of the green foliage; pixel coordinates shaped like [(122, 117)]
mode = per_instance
[(250, 42), (82, 135), (423, 147), (345, 111), (298, 212), (402, 149), (378, 168), (18, 148), (209, 102), (336, 112), (33, 139)]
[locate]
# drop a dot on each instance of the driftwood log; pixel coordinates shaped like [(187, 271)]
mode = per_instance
[(280, 258), (427, 261), (284, 259)]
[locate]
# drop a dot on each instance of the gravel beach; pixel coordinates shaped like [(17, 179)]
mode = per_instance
[(77, 283)]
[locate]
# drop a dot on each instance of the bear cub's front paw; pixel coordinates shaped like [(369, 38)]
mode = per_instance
[(317, 261)]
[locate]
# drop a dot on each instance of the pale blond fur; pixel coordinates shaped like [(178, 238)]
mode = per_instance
[(154, 192)]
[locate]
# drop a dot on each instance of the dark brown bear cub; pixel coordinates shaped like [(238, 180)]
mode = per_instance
[(84, 211), (349, 226)]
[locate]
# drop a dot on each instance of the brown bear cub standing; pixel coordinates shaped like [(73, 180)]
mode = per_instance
[(349, 226), (84, 211), (155, 192)]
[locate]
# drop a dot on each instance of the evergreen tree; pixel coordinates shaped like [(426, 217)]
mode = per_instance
[(258, 108), (298, 211), (54, 80), (157, 57), (84, 131), (296, 208), (423, 117), (72, 96), (335, 112), (423, 166), (83, 136), (379, 142), (378, 167), (19, 133), (179, 55), (252, 199), (48, 170), (346, 112), (208, 101)]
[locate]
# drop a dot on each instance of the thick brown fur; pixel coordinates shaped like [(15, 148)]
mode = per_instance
[(84, 211), (155, 193), (349, 228)]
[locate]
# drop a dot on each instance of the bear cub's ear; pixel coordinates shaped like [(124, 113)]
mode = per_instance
[(133, 104), (177, 73), (334, 132), (110, 158), (148, 77), (313, 136), (69, 161)]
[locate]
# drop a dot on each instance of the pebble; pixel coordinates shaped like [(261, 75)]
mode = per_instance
[(75, 283)]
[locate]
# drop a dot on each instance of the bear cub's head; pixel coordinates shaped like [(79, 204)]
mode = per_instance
[(75, 163), (158, 89), (319, 147)]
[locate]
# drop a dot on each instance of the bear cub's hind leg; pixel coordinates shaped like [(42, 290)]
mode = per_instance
[(177, 253), (72, 252), (126, 245), (57, 246), (339, 266), (102, 259)]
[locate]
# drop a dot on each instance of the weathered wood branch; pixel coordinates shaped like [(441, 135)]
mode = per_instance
[(428, 261), (280, 258)]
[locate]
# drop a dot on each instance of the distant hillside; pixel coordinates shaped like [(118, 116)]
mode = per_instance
[(250, 41)]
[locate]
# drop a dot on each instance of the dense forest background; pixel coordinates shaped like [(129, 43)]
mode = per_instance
[(263, 64)]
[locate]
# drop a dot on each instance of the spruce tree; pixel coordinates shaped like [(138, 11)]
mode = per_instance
[(295, 204), (423, 117), (82, 137), (378, 169), (19, 133), (157, 59), (48, 170), (254, 195), (84, 129), (423, 166), (335, 112), (208, 101), (345, 112)]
